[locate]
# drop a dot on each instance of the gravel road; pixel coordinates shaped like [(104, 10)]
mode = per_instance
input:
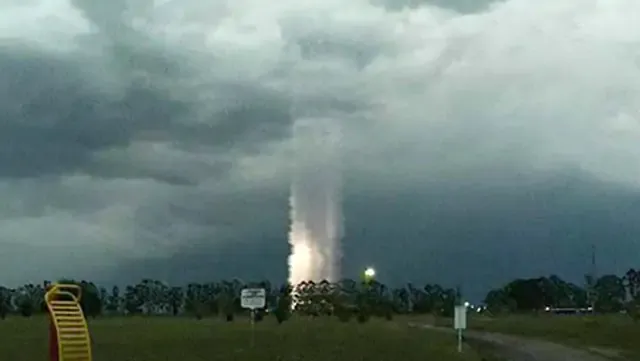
[(515, 348)]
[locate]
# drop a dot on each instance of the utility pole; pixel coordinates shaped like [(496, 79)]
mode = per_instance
[(592, 278)]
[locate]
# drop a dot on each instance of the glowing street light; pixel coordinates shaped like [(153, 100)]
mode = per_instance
[(369, 274)]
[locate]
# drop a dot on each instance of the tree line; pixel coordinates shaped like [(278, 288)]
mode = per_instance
[(345, 299)]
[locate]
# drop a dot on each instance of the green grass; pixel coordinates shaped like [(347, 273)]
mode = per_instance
[(156, 338), (605, 332)]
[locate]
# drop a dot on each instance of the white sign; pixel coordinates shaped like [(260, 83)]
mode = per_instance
[(253, 298), (460, 318)]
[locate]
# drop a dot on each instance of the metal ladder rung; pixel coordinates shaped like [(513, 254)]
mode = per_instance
[(83, 356), (76, 349), (67, 313), (73, 330), (68, 310), (74, 342), (70, 318), (70, 325), (64, 325), (63, 303), (79, 336), (83, 349)]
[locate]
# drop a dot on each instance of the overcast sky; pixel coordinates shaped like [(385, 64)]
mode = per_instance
[(482, 140)]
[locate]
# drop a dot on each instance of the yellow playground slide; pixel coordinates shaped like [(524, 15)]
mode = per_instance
[(69, 338)]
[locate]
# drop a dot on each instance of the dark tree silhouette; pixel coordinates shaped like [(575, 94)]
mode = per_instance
[(346, 299)]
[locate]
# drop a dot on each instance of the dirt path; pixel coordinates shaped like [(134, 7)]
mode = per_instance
[(515, 348)]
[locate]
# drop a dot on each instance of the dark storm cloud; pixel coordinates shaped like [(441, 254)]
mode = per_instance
[(243, 238), (52, 120), (141, 140), (462, 6), (258, 261), (458, 233), (56, 116), (480, 235)]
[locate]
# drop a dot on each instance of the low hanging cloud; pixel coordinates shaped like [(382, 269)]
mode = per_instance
[(150, 137)]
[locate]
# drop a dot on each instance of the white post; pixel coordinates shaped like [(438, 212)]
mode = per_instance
[(253, 327), (459, 340)]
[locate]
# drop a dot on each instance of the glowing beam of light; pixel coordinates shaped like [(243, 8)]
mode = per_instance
[(315, 202)]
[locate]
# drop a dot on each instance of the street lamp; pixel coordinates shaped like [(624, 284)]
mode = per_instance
[(369, 274)]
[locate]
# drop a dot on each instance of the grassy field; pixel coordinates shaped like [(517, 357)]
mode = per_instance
[(155, 339), (606, 333)]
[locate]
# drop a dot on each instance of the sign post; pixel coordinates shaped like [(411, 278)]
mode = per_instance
[(460, 322), (253, 299)]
